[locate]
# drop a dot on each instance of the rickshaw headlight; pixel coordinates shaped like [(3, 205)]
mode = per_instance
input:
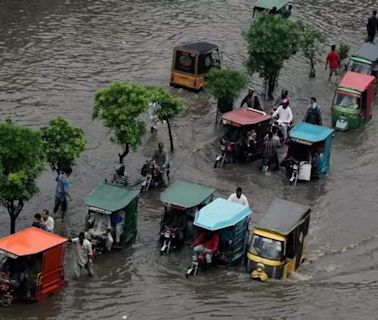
[(260, 267)]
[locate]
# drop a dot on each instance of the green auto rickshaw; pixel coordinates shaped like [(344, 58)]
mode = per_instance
[(352, 104), (365, 60), (111, 222)]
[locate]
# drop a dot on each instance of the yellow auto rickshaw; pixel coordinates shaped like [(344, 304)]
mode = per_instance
[(278, 243), (191, 63)]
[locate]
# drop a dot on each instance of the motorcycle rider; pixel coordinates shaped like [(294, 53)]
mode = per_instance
[(207, 243), (251, 100), (285, 116), (313, 114), (162, 162)]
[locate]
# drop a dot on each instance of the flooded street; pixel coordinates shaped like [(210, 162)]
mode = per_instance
[(53, 56)]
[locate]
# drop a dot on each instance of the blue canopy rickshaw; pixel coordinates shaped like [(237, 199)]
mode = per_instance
[(309, 151), (230, 220)]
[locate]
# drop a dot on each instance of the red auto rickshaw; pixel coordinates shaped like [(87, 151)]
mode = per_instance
[(31, 265)]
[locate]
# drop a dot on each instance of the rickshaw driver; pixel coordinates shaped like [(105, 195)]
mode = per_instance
[(162, 162), (207, 243), (285, 116), (176, 220), (117, 222)]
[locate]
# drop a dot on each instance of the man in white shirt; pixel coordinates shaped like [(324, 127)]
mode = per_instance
[(239, 197), (83, 255), (285, 116), (47, 220)]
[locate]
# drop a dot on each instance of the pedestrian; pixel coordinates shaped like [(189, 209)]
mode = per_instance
[(239, 197), (61, 193), (333, 60), (38, 222), (252, 100), (83, 255), (162, 162), (372, 27), (47, 220), (287, 13), (270, 151), (313, 114)]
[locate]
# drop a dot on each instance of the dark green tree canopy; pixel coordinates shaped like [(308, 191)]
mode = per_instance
[(119, 106), (21, 162), (226, 83), (62, 143)]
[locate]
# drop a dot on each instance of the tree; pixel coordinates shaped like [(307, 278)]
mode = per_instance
[(21, 162), (225, 85), (343, 51), (310, 43), (62, 144), (170, 108), (271, 40), (119, 106)]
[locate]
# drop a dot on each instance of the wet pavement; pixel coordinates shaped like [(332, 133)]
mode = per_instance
[(54, 54)]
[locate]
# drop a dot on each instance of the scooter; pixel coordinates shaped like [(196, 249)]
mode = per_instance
[(168, 236)]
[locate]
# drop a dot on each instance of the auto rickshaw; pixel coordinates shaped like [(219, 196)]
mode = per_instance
[(279, 240), (282, 6), (191, 64), (246, 130), (365, 60), (309, 152), (229, 222), (111, 222), (352, 104), (31, 265), (181, 202)]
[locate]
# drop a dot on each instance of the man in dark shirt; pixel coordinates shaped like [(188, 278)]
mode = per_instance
[(372, 27)]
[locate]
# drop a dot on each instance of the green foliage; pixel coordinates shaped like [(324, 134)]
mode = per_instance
[(343, 51), (119, 106), (21, 162), (310, 44), (226, 83), (62, 143), (271, 40), (171, 106)]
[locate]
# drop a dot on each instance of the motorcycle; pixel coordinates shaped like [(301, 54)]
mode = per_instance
[(168, 236), (294, 166), (265, 165), (228, 153), (153, 176), (7, 290), (197, 261)]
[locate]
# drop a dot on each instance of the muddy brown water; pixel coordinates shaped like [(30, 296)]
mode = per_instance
[(54, 54)]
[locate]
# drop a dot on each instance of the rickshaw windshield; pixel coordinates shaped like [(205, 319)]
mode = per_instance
[(185, 61), (359, 67), (266, 248), (347, 100)]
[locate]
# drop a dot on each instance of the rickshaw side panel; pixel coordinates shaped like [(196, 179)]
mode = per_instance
[(51, 279), (325, 162), (239, 236), (130, 227)]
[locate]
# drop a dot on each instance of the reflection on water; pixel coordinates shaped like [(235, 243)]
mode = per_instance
[(55, 54)]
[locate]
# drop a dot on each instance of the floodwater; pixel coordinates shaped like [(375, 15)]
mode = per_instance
[(54, 54)]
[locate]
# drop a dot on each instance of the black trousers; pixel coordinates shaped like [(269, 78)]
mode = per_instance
[(58, 203)]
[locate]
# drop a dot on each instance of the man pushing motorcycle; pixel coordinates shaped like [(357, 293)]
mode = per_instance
[(162, 162)]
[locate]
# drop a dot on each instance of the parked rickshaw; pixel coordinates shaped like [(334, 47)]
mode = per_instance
[(31, 265), (279, 240), (228, 221), (365, 60), (309, 152), (191, 64), (246, 130), (112, 216), (282, 6), (181, 202), (352, 104)]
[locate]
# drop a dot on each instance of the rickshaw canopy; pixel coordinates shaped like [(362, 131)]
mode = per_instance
[(185, 194), (283, 216), (356, 81), (269, 4), (244, 117), (110, 197), (30, 241), (367, 51), (201, 47), (309, 132), (220, 214)]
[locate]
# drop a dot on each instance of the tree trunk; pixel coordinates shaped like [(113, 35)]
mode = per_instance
[(170, 134), (312, 72), (14, 212), (271, 85), (124, 153)]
